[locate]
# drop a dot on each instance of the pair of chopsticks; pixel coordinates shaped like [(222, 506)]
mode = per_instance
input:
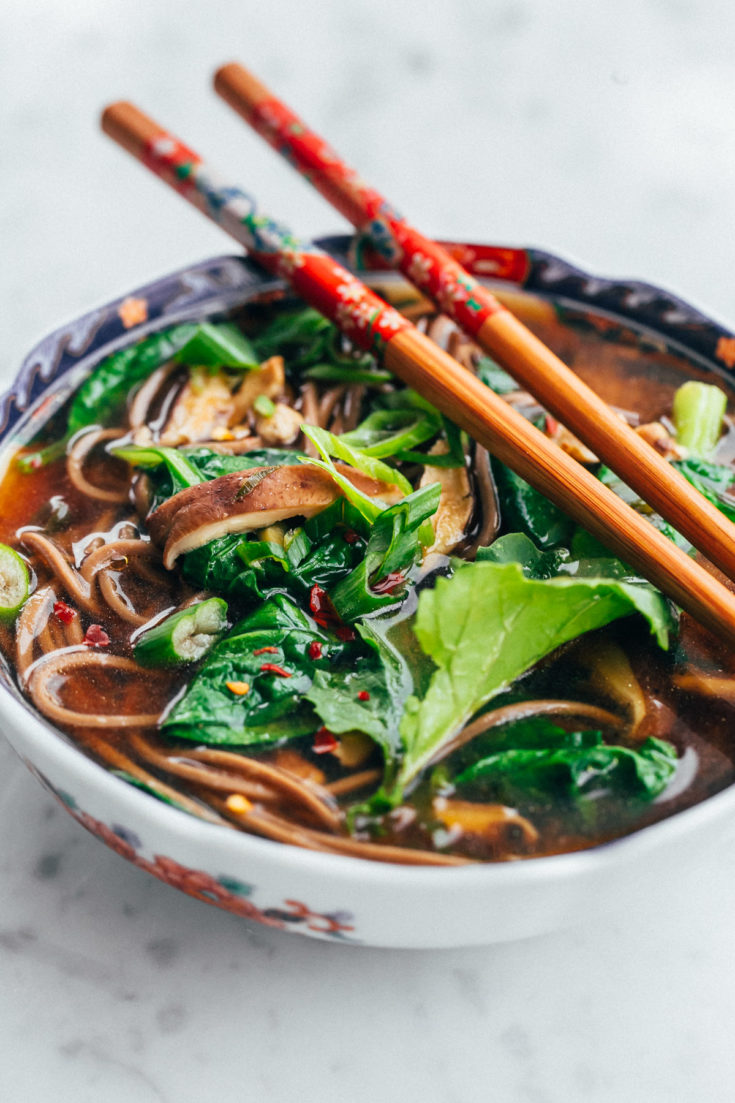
[(376, 327)]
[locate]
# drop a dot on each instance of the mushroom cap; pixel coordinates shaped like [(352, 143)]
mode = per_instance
[(252, 499)]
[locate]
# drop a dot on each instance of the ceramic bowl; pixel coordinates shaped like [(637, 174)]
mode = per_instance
[(321, 895)]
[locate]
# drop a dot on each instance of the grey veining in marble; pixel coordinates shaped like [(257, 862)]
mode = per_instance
[(600, 130)]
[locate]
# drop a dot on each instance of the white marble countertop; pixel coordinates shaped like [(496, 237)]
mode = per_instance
[(602, 131)]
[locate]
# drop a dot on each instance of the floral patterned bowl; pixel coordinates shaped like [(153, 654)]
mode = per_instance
[(322, 895)]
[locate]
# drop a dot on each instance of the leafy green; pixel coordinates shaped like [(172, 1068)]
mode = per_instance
[(713, 480), (543, 763), (516, 547), (347, 373), (327, 444), (210, 712), (305, 338), (211, 465), (394, 545), (386, 432), (103, 395), (382, 674), (524, 509), (488, 624), (220, 345), (329, 689), (180, 471), (495, 377)]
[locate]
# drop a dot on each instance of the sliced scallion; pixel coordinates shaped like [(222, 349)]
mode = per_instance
[(14, 582), (183, 637), (698, 412)]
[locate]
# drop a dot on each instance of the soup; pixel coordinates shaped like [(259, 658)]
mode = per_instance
[(252, 574)]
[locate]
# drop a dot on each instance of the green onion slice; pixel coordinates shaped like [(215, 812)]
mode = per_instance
[(183, 637), (14, 582)]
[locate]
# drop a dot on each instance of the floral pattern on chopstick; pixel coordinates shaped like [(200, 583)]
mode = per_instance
[(313, 274), (429, 266)]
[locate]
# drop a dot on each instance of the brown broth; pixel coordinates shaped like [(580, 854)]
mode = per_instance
[(628, 373)]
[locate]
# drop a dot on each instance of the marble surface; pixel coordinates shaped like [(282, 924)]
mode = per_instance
[(602, 131)]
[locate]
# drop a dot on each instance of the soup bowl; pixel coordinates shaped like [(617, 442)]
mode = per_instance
[(327, 896)]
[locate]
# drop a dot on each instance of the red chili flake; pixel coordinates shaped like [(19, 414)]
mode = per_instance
[(35, 463), (263, 650), (273, 668), (64, 612), (345, 633), (389, 583), (552, 425), (315, 650), (363, 695), (324, 742), (319, 605), (96, 636), (350, 536)]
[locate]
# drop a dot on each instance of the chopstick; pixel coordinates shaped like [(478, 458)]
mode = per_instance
[(378, 328), (475, 310)]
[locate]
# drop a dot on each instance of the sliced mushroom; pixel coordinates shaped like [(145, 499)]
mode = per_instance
[(497, 824), (656, 435), (248, 500), (455, 503)]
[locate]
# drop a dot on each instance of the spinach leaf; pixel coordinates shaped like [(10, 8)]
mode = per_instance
[(102, 397), (338, 694), (211, 465), (524, 509), (273, 706), (394, 545), (488, 624), (713, 480), (495, 377), (554, 764), (216, 346)]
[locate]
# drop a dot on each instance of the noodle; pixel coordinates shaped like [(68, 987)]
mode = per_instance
[(59, 662), (76, 456)]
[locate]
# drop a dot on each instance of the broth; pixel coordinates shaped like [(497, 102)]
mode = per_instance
[(76, 641)]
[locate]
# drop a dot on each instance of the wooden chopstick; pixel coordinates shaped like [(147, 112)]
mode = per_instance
[(378, 328), (472, 306)]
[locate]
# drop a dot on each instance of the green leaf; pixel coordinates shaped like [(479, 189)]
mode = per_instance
[(220, 345), (526, 510), (394, 545), (347, 373), (495, 377), (103, 395), (385, 432), (181, 471), (327, 444), (488, 624), (570, 766), (382, 674), (210, 712)]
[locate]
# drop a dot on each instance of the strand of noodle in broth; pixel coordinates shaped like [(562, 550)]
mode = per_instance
[(115, 759), (353, 782), (352, 404), (31, 621), (523, 710), (315, 798), (75, 461), (146, 394), (76, 586), (283, 831), (331, 397), (60, 662)]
